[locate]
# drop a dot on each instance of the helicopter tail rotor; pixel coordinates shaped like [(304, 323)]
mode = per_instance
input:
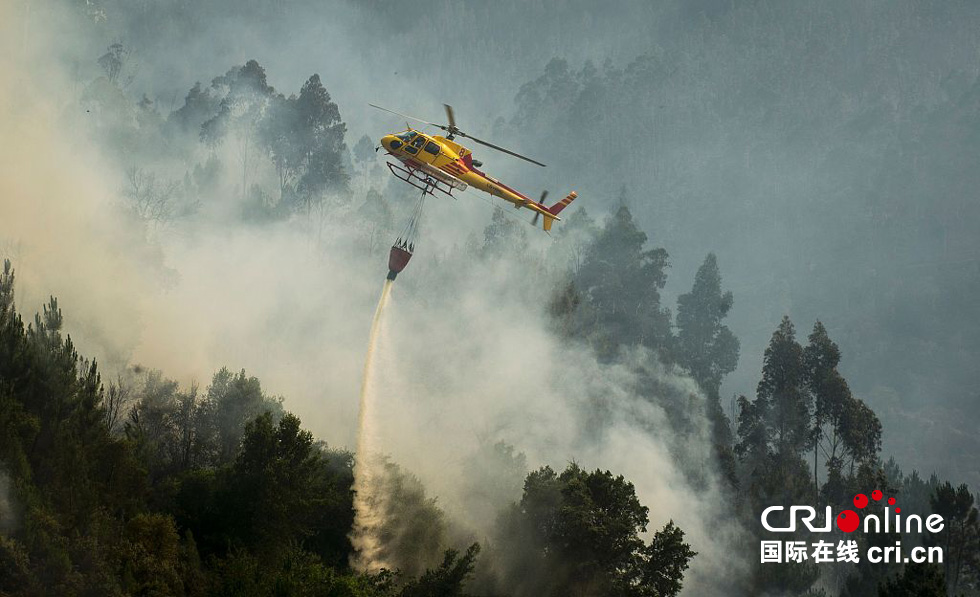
[(537, 214)]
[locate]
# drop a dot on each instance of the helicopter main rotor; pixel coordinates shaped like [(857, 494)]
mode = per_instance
[(454, 131)]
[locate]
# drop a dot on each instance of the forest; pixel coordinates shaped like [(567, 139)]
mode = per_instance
[(606, 411)]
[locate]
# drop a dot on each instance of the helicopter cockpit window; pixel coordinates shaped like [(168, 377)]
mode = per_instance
[(406, 136), (411, 148), (419, 142), (432, 147)]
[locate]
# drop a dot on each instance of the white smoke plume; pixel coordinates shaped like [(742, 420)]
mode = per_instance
[(468, 356)]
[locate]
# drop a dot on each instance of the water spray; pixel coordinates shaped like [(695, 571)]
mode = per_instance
[(368, 500), (369, 496)]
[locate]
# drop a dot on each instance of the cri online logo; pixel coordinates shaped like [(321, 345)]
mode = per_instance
[(849, 520)]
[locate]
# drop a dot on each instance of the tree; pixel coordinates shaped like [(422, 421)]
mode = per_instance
[(150, 556), (364, 149), (321, 141), (376, 213), (151, 200), (774, 429), (446, 580), (246, 97), (493, 476), (577, 533), (830, 392), (621, 281), (708, 349), (413, 529), (916, 580), (961, 532), (277, 486), (577, 232), (231, 401), (504, 236), (782, 387), (280, 135), (667, 559), (67, 472), (114, 61), (842, 427), (705, 346), (200, 106)]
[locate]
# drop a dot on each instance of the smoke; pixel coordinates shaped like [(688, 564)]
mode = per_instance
[(467, 358), (465, 368)]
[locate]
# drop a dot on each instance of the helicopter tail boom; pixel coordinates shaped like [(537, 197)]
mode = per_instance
[(554, 210)]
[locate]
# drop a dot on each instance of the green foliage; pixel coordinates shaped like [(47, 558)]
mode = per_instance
[(709, 350), (363, 150), (804, 403), (302, 136), (843, 427), (294, 573), (79, 517), (150, 559), (916, 580), (783, 392), (578, 533), (446, 580), (245, 94), (15, 568), (414, 530), (620, 282), (277, 487), (504, 236), (960, 535), (705, 346), (492, 477), (774, 429), (667, 559)]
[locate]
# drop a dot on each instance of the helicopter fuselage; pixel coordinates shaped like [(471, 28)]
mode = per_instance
[(453, 164)]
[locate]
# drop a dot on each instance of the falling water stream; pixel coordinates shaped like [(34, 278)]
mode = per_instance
[(368, 499)]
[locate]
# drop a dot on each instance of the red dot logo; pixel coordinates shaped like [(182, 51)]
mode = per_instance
[(860, 501), (848, 521), (891, 501), (876, 495), (898, 510)]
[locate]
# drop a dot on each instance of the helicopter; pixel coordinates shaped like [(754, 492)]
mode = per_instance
[(438, 163)]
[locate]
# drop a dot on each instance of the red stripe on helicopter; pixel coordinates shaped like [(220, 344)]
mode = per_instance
[(454, 168)]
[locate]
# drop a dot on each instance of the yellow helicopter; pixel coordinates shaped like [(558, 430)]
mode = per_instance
[(436, 163)]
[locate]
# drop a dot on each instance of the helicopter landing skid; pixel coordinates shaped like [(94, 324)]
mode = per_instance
[(421, 180)]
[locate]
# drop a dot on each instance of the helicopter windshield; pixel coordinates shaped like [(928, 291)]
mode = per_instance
[(406, 136)]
